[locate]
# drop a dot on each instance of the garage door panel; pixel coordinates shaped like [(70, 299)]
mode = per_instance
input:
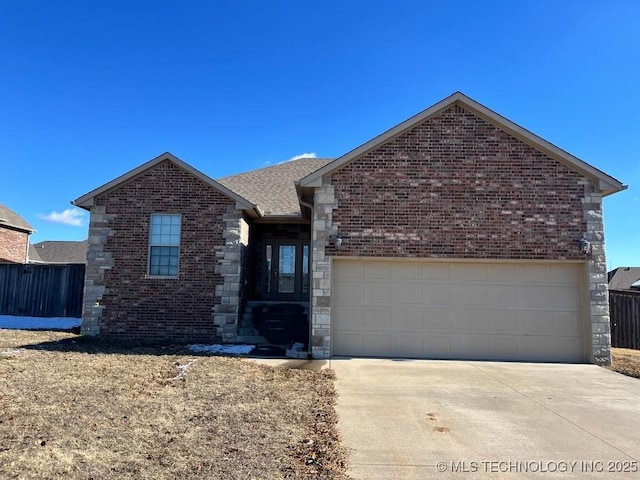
[(566, 323), (435, 271), (565, 298), (352, 271), (502, 273), (470, 346), (435, 295), (534, 322), (378, 319), (351, 318), (408, 294), (377, 293), (376, 342), (407, 320), (407, 271), (348, 293), (504, 311), (470, 295), (462, 272), (406, 345), (436, 320), (351, 343), (469, 320), (436, 346), (503, 347), (377, 270)]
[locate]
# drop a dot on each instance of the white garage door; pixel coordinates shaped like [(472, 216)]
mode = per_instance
[(500, 311)]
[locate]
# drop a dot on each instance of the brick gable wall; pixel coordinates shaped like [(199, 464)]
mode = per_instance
[(135, 306), (13, 245), (455, 186)]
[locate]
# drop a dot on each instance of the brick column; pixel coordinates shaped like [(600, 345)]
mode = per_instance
[(322, 230), (98, 262), (229, 266)]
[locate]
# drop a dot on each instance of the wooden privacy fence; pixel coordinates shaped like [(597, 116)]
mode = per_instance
[(624, 309), (41, 290)]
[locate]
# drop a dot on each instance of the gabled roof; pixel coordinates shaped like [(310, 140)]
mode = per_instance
[(9, 218), (273, 188), (623, 278), (58, 251), (86, 201), (607, 184)]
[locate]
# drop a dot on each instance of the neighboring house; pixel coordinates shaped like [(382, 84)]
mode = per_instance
[(624, 278), (455, 234), (14, 236), (58, 251)]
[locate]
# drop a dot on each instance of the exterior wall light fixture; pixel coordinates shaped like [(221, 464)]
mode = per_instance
[(585, 246)]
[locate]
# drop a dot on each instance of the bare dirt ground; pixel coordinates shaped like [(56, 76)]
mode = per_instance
[(75, 409), (626, 361)]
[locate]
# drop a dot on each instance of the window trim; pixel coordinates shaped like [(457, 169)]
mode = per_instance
[(150, 245)]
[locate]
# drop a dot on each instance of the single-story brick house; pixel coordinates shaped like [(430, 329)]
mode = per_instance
[(14, 236), (455, 234)]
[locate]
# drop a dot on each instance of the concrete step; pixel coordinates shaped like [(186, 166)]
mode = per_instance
[(251, 339)]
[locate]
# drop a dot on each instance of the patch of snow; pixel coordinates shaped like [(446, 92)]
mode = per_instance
[(38, 323), (217, 348)]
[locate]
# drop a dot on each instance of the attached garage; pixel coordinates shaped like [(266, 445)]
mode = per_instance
[(530, 311)]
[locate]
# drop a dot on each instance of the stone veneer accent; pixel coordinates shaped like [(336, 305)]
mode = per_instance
[(597, 278), (98, 262), (322, 232), (230, 261)]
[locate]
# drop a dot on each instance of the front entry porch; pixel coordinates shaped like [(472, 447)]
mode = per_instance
[(275, 310)]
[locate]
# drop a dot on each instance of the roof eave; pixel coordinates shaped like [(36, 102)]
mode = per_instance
[(86, 201), (607, 184)]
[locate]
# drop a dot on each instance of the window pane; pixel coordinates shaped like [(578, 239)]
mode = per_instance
[(268, 267), (305, 269), (287, 269), (164, 261)]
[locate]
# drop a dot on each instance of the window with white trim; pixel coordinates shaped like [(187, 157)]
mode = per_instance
[(164, 245)]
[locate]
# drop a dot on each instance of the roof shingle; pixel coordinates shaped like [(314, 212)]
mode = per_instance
[(11, 219), (273, 188)]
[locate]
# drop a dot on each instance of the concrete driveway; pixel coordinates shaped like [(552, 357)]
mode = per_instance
[(420, 419)]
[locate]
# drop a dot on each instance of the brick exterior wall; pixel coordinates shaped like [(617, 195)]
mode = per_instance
[(13, 245), (120, 299), (455, 186), (458, 187)]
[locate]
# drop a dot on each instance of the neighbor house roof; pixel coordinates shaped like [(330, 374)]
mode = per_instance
[(58, 251), (622, 278), (273, 188), (86, 201), (607, 184), (11, 219)]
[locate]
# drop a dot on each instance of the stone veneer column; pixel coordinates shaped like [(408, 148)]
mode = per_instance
[(229, 265), (597, 278), (322, 229), (98, 262)]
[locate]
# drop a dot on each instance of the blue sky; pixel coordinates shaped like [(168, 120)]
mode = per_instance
[(90, 90)]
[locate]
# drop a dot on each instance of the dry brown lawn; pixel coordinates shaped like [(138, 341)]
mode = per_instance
[(75, 409), (626, 361)]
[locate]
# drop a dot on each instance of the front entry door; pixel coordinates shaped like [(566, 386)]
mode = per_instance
[(286, 272)]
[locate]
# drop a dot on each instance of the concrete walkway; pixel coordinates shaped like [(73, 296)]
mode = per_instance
[(420, 419)]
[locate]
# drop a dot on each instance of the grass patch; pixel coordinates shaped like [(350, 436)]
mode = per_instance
[(626, 361), (74, 409)]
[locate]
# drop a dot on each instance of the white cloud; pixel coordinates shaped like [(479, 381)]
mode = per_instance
[(303, 155), (71, 216)]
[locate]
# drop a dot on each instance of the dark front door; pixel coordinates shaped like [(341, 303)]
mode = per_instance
[(286, 270)]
